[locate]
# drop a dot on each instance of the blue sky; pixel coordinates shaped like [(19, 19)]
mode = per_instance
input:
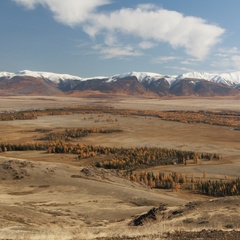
[(105, 37)]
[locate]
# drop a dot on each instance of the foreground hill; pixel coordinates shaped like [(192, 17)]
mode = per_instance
[(129, 84), (41, 200)]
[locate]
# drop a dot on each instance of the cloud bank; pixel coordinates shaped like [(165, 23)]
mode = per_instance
[(147, 23)]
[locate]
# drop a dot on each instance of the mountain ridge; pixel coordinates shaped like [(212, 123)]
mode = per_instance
[(231, 77), (131, 83)]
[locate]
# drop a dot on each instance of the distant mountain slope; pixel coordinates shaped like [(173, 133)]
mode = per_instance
[(25, 85), (133, 84)]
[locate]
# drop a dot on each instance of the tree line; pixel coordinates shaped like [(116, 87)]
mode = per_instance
[(69, 134), (223, 118), (140, 157), (176, 181), (118, 158), (219, 188)]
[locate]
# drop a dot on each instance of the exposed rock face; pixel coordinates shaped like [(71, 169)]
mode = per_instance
[(151, 215)]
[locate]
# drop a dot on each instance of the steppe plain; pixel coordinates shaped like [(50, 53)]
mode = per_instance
[(60, 197)]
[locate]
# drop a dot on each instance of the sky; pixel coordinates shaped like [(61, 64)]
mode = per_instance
[(91, 38)]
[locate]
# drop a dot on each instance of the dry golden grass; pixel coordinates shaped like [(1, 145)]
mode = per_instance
[(48, 203)]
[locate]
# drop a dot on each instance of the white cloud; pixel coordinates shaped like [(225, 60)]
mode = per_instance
[(189, 61), (191, 33), (68, 12), (146, 45), (113, 48), (30, 4), (116, 51), (111, 40), (228, 51), (146, 22), (181, 69), (164, 59), (168, 58)]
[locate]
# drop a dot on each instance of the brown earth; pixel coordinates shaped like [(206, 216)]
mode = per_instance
[(49, 196)]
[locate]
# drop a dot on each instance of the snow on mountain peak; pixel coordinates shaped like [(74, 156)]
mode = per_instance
[(141, 76), (5, 74), (197, 75), (229, 79), (54, 77)]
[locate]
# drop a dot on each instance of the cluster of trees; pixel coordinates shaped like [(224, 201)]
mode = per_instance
[(129, 159), (23, 115), (83, 151), (213, 118), (69, 134), (31, 146), (120, 158), (173, 180), (123, 158), (33, 114), (161, 180), (219, 188), (226, 118), (140, 157)]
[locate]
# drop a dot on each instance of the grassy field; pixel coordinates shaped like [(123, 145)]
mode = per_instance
[(42, 193)]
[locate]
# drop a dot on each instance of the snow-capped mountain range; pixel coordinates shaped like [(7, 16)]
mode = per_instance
[(191, 83), (230, 79), (46, 75)]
